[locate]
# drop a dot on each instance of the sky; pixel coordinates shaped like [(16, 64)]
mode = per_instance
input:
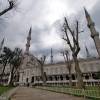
[(46, 19)]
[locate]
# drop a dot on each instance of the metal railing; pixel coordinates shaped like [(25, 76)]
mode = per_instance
[(72, 91)]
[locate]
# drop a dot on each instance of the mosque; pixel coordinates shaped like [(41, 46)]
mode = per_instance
[(30, 70), (58, 73)]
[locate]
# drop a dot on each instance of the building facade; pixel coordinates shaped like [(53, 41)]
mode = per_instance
[(58, 73)]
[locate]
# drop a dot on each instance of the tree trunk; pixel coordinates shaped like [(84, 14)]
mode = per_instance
[(70, 78), (11, 6), (42, 75), (11, 78), (2, 74), (80, 83)]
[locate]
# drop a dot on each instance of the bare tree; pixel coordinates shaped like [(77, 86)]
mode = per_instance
[(11, 6), (74, 47), (68, 65), (43, 74)]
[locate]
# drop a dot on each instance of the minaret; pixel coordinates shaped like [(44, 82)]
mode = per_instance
[(94, 33), (28, 42), (1, 45), (51, 56), (87, 53)]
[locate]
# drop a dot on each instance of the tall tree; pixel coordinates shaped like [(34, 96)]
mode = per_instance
[(68, 65), (15, 62), (5, 59), (74, 47), (11, 6), (43, 74)]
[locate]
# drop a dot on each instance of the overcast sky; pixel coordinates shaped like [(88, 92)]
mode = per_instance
[(46, 17)]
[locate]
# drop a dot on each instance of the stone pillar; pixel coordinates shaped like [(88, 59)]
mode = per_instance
[(83, 76), (34, 79), (53, 77), (91, 78), (64, 79), (59, 80)]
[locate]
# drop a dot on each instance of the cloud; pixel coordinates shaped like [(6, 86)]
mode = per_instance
[(46, 18)]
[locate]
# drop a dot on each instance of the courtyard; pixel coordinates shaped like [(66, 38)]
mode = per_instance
[(25, 93)]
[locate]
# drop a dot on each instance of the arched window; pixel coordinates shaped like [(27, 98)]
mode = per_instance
[(61, 77), (32, 80), (67, 77), (73, 77), (26, 79), (50, 78), (56, 78)]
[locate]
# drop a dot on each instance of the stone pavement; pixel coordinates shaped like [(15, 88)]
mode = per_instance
[(24, 93)]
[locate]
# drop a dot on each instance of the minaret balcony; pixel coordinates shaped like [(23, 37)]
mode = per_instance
[(29, 38), (91, 24), (28, 45), (96, 34)]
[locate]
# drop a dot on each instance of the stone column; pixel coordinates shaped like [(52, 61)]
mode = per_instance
[(64, 79), (91, 78)]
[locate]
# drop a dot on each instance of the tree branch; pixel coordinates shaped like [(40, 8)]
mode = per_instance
[(11, 6), (72, 32)]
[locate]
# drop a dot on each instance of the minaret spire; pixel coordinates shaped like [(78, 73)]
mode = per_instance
[(51, 56), (87, 52), (1, 45), (94, 33), (28, 42), (86, 13)]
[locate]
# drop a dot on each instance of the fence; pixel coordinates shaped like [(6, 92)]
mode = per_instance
[(89, 93)]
